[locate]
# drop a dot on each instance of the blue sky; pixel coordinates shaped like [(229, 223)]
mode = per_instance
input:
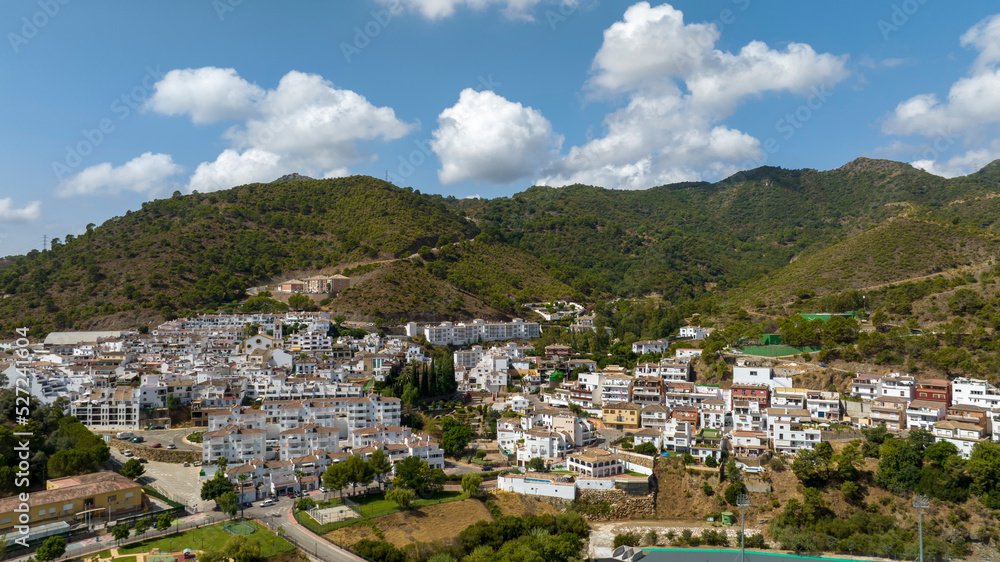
[(109, 104)]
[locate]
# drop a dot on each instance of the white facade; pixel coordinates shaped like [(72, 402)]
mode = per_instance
[(448, 333), (975, 392)]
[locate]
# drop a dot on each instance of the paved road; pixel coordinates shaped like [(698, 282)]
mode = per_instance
[(162, 436), (279, 515)]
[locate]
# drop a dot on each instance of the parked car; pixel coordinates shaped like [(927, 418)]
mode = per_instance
[(127, 453), (136, 440), (187, 463), (142, 460), (171, 446), (155, 445), (486, 468), (267, 503), (291, 494)]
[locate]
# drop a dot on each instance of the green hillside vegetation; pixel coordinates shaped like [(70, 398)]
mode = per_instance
[(685, 239), (402, 290), (60, 445), (199, 251), (900, 249), (869, 222)]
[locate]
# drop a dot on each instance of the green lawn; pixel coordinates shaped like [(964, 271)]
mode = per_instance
[(125, 559), (211, 535), (103, 554)]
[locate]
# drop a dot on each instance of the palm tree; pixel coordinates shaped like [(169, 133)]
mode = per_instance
[(299, 475), (243, 477)]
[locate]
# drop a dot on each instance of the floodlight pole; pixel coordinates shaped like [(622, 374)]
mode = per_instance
[(921, 503), (743, 501)]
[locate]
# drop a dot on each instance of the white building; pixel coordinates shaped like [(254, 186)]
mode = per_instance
[(595, 462), (650, 346), (237, 444), (449, 333), (759, 374), (924, 414), (712, 414), (975, 392), (308, 439), (962, 435), (786, 432)]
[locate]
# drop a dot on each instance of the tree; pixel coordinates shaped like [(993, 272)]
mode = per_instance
[(646, 449), (222, 462), (357, 471), (164, 521), (216, 486), (733, 471), (299, 475), (984, 468), (243, 478), (52, 549), (173, 402), (228, 503), (242, 548), (456, 436), (710, 461), (379, 465), (305, 504), (298, 301), (335, 477), (852, 492), (120, 533), (536, 464), (402, 497), (471, 483), (733, 492), (414, 473), (847, 462), (141, 526), (132, 469)]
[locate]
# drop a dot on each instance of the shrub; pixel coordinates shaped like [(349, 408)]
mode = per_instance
[(707, 489), (627, 539)]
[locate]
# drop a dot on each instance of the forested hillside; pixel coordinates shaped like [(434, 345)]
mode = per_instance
[(777, 233)]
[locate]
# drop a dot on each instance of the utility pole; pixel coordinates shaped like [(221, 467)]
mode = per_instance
[(921, 503), (743, 501)]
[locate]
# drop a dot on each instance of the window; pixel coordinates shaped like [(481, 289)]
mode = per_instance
[(68, 507)]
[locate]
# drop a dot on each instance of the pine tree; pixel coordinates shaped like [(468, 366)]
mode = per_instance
[(433, 379), (425, 390)]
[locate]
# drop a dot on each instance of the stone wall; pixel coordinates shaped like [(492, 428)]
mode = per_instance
[(158, 455), (623, 505)]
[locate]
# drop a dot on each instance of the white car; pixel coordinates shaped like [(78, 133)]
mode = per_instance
[(267, 503), (127, 453)]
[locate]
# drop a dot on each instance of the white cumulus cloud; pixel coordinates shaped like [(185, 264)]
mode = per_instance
[(147, 174), (486, 137), (306, 124), (680, 89), (28, 213), (971, 111), (207, 94)]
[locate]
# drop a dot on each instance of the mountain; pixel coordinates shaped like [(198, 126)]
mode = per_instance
[(900, 249), (768, 231)]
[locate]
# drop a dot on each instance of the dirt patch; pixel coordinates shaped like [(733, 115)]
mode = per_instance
[(680, 495), (349, 536), (433, 523), (523, 506)]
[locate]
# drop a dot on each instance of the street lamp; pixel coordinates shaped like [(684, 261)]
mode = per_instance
[(921, 503), (743, 501)]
